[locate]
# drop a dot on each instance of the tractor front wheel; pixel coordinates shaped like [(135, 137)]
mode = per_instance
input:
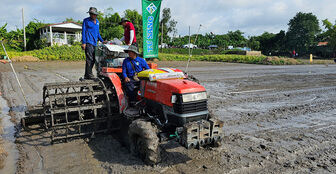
[(144, 141)]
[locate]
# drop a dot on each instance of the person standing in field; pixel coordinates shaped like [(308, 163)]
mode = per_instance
[(90, 36), (129, 32), (294, 53)]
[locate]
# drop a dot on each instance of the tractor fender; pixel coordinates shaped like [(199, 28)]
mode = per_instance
[(116, 82)]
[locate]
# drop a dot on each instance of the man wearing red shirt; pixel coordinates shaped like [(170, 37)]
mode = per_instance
[(129, 32)]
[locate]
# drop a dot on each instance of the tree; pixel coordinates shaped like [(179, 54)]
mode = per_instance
[(273, 44), (179, 41), (72, 20), (3, 31), (33, 36), (220, 40), (253, 43), (109, 27), (330, 34), (236, 38), (204, 41), (280, 41), (302, 32), (136, 19), (15, 39), (169, 25), (266, 42)]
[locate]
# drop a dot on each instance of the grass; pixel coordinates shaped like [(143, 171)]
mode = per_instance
[(282, 61), (49, 53), (25, 59), (318, 61), (199, 51), (185, 51), (75, 53), (233, 59)]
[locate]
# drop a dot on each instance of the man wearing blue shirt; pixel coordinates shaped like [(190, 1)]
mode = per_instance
[(131, 66), (90, 35)]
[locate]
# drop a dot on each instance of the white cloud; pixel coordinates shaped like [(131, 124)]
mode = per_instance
[(279, 8)]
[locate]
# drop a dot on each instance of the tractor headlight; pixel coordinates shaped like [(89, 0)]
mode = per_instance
[(194, 97), (173, 99)]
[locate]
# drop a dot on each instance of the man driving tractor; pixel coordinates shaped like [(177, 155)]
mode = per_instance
[(130, 67)]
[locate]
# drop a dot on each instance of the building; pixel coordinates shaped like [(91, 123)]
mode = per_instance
[(244, 48), (190, 45), (62, 33), (212, 47), (322, 44)]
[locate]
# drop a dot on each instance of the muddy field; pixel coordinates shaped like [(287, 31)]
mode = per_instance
[(278, 119)]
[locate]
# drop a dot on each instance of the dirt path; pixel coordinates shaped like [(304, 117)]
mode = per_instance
[(278, 119)]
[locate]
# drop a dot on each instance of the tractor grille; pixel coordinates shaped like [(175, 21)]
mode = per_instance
[(180, 121), (190, 107)]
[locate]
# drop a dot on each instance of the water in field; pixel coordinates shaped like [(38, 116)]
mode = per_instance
[(8, 139)]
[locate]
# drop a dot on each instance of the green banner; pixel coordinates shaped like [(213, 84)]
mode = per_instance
[(150, 21)]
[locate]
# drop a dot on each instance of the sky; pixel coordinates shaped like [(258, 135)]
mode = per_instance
[(253, 17)]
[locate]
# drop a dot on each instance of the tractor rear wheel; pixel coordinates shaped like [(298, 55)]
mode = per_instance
[(144, 141)]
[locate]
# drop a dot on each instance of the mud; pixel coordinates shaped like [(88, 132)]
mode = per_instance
[(8, 151), (278, 119)]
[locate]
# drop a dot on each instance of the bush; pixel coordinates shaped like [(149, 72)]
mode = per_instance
[(185, 51), (231, 58), (52, 53), (76, 53), (281, 61), (234, 51)]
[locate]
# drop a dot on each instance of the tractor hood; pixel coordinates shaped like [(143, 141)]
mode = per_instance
[(180, 86), (162, 90)]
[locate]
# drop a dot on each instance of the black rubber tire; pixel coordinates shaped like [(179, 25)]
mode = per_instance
[(144, 141)]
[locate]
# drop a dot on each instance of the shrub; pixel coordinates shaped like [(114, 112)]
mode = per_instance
[(231, 58), (281, 61), (234, 51), (52, 53), (185, 51), (76, 53)]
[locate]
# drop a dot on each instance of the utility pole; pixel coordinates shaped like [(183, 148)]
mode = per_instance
[(189, 45), (24, 31), (162, 38)]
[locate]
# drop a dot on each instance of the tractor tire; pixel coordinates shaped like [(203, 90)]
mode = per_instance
[(144, 141)]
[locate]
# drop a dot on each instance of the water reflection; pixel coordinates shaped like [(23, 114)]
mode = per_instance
[(8, 136)]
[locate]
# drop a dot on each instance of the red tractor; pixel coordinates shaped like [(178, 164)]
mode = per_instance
[(171, 105)]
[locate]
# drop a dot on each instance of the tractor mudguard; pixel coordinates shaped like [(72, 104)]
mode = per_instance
[(115, 80)]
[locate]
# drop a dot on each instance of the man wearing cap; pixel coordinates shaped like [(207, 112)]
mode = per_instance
[(90, 35), (129, 32), (131, 66)]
